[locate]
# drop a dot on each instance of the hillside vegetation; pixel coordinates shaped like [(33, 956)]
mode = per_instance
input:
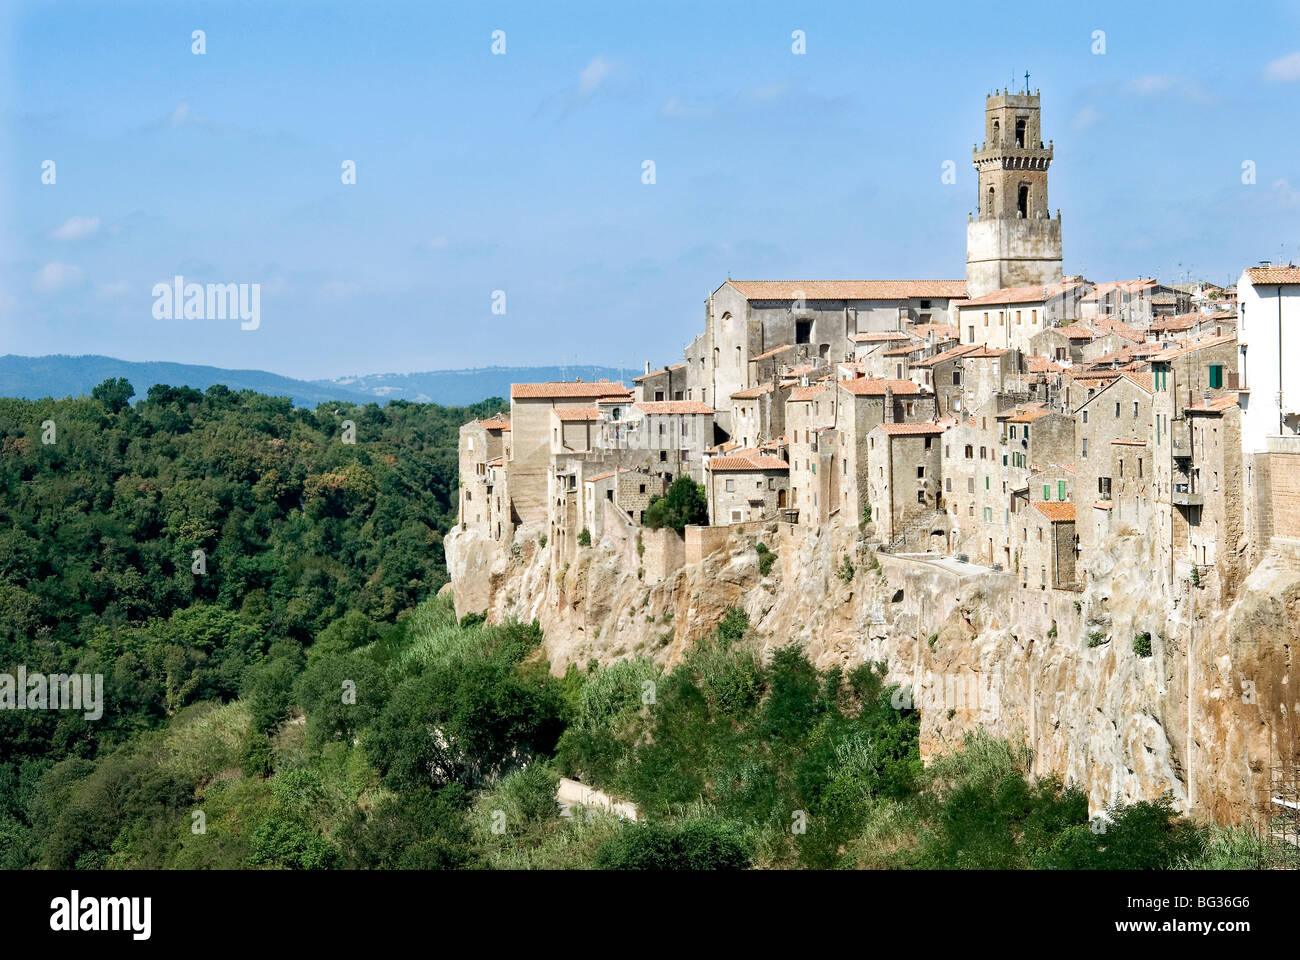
[(308, 702)]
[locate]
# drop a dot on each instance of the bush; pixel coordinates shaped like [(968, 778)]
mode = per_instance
[(1096, 638), (765, 559), (541, 541), (866, 514), (693, 845), (584, 537), (685, 503), (1142, 644), (845, 570)]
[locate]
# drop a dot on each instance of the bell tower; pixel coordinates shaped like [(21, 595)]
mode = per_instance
[(1013, 241)]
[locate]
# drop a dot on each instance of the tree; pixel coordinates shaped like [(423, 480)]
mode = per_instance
[(693, 845), (686, 503), (114, 393)]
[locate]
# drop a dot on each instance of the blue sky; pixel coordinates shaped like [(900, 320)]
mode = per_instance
[(523, 172)]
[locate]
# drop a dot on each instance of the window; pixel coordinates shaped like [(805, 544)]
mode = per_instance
[(1139, 467), (1022, 202), (986, 319), (1020, 134), (803, 331), (920, 473), (1017, 318), (970, 452), (929, 442), (988, 514), (1135, 408), (470, 443), (1060, 489), (1216, 376), (1033, 316), (643, 488), (920, 496), (1047, 491), (986, 483), (735, 516), (972, 333), (956, 378), (659, 395), (1116, 409), (731, 486), (947, 484), (1085, 416), (1085, 447), (1013, 431), (984, 453)]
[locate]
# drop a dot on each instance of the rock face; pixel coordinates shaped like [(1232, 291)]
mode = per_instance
[(968, 646)]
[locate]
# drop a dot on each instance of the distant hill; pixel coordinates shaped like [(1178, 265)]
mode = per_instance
[(462, 387), (65, 376)]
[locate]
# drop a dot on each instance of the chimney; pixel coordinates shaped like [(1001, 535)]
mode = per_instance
[(647, 366), (889, 405)]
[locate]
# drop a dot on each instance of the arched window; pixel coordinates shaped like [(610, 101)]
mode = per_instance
[(991, 194), (1022, 202), (997, 132)]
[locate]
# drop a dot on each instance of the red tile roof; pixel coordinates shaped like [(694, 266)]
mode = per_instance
[(882, 336), (946, 355), (577, 413), (1035, 293), (1189, 346), (876, 386), (747, 461), (911, 429), (1214, 405), (774, 351), (753, 393), (496, 423), (1056, 512), (1077, 331), (653, 407), (849, 289), (577, 390), (1274, 275), (802, 394), (939, 331)]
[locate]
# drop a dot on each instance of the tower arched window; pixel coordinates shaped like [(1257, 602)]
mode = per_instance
[(991, 195), (1022, 201), (997, 133)]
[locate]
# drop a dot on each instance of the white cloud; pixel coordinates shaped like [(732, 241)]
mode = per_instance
[(1162, 84), (55, 276), (593, 75), (1283, 69), (111, 291), (76, 228), (1287, 195), (340, 288), (1085, 118)]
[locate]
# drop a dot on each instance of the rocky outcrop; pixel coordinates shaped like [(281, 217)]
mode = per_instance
[(969, 646)]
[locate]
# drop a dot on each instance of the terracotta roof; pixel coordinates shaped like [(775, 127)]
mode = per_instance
[(1104, 505), (1035, 293), (984, 353), (910, 429), (882, 336), (577, 413), (620, 398), (946, 355), (496, 423), (1120, 286), (849, 289), (752, 393), (1055, 511), (1028, 415), (750, 461), (1113, 325), (606, 476), (940, 331), (1189, 346), (1144, 380), (1267, 275), (774, 351), (1077, 331), (904, 350), (652, 407), (1214, 405), (1184, 321), (578, 389), (1044, 365), (876, 386), (802, 394)]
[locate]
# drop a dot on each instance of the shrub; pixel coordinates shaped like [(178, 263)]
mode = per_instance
[(845, 570), (693, 845), (541, 541), (765, 559), (1051, 632), (1096, 638), (866, 514), (932, 639), (584, 537), (1142, 644), (685, 503)]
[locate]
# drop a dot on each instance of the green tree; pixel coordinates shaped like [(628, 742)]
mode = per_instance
[(685, 503), (114, 393)]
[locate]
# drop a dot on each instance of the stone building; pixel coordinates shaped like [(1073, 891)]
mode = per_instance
[(808, 411), (1216, 529), (484, 500), (863, 404), (745, 319), (534, 431), (745, 485), (903, 483), (1011, 318), (758, 413), (666, 383), (1013, 241)]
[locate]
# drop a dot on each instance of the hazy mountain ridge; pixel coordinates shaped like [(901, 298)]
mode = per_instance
[(61, 375)]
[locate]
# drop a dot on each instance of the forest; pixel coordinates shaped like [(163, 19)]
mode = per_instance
[(286, 685)]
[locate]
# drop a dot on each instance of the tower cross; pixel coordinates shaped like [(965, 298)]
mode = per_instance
[(1026, 81)]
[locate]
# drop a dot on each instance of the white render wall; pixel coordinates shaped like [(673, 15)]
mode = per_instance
[(1257, 329)]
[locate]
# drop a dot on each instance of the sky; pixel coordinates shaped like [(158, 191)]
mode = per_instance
[(523, 173)]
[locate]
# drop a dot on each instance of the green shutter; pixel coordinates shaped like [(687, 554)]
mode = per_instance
[(1047, 491), (1216, 376), (1060, 489)]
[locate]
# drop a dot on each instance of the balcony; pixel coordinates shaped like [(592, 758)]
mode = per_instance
[(1183, 496)]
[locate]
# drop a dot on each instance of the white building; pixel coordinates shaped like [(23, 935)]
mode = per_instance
[(1268, 354)]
